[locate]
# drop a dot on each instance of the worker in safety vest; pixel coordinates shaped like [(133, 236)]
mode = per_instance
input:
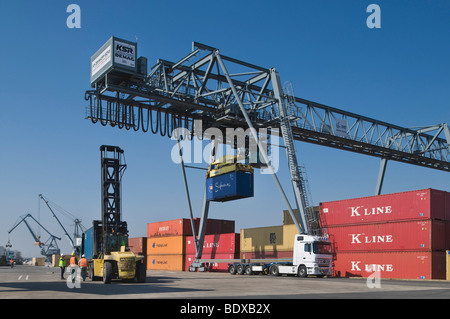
[(83, 265), (11, 262), (73, 267), (62, 265)]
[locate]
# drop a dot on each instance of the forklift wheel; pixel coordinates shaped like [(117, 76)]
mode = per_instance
[(107, 272)]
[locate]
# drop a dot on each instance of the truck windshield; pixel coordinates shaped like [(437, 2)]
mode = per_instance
[(321, 247)]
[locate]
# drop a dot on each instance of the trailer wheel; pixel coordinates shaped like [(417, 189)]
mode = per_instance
[(273, 270), (302, 273), (232, 269), (107, 272), (248, 270), (240, 270)]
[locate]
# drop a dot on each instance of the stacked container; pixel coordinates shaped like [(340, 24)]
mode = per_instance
[(138, 246), (217, 246), (268, 242), (166, 241), (401, 235)]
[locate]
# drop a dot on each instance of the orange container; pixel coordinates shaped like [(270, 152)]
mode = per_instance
[(166, 262), (169, 245)]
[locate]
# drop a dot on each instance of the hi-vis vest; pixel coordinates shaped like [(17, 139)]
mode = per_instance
[(73, 261), (83, 262), (62, 262)]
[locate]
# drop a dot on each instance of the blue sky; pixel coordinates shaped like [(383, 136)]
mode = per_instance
[(398, 74)]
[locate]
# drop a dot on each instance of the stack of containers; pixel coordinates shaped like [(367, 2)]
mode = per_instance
[(401, 235), (166, 241), (217, 246)]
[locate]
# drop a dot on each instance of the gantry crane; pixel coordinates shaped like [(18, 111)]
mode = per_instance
[(199, 93), (50, 247)]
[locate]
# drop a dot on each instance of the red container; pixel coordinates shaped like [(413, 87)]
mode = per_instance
[(404, 235), (138, 245), (268, 254), (214, 266), (420, 204), (182, 227), (393, 265), (216, 244)]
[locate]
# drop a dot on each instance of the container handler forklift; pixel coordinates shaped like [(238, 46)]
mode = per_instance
[(105, 243)]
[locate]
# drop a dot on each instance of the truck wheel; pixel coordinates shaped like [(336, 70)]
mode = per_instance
[(141, 272), (274, 270), (248, 270), (232, 269), (302, 271), (107, 272), (240, 270)]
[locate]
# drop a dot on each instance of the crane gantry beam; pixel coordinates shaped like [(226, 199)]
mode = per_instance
[(199, 90)]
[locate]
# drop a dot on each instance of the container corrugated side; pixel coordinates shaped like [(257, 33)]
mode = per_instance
[(391, 265), (400, 235), (138, 245), (272, 238), (419, 204), (269, 254), (169, 245), (166, 262), (216, 244), (213, 266), (182, 227)]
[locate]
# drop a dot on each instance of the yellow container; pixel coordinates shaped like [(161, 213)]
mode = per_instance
[(38, 261), (448, 264), (169, 245), (273, 238), (166, 262), (287, 219)]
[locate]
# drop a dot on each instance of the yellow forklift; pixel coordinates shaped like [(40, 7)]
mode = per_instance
[(105, 244)]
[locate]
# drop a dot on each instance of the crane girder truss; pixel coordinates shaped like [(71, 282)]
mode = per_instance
[(197, 88)]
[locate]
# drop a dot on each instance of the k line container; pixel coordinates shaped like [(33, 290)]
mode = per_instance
[(214, 266), (182, 227), (215, 244), (230, 186), (391, 265), (412, 235), (419, 204), (273, 238), (169, 245), (166, 262)]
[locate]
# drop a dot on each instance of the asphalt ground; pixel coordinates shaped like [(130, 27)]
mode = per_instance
[(190, 289), (44, 283)]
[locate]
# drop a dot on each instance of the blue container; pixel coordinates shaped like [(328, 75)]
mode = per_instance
[(230, 186), (89, 243)]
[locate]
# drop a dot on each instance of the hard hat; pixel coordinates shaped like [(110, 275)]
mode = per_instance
[(82, 256), (73, 254)]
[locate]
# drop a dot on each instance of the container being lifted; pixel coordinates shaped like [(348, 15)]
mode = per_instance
[(228, 180)]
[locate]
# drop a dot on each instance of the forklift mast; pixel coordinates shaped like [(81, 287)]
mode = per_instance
[(114, 233)]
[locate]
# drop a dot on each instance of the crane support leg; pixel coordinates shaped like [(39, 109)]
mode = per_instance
[(203, 219), (381, 174)]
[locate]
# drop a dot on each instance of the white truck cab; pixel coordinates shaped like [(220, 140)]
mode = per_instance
[(312, 256)]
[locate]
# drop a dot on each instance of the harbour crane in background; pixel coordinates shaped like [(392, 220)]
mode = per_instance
[(48, 248), (75, 241)]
